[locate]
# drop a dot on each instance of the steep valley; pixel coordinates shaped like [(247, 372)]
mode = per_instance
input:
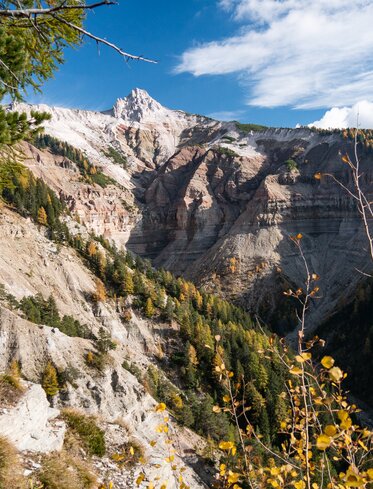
[(215, 203)]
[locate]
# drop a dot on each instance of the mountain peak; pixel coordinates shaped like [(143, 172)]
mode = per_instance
[(138, 106)]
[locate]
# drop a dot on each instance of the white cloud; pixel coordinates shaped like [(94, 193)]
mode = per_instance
[(360, 114), (226, 115), (299, 53)]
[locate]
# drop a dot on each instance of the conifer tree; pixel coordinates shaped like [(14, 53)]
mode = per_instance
[(50, 380), (128, 287), (42, 216), (100, 293), (149, 308)]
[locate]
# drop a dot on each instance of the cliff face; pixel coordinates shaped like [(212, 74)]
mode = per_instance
[(207, 192), (206, 207)]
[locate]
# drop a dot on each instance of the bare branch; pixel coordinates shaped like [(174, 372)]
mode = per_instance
[(102, 41), (47, 11)]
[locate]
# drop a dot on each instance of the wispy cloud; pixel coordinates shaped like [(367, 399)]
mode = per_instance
[(226, 115), (299, 53)]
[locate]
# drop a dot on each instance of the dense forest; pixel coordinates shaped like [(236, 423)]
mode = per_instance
[(90, 173)]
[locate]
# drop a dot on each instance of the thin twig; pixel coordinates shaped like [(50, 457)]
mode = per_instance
[(102, 41)]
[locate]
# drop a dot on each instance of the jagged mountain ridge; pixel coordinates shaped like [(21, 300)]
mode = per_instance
[(208, 191)]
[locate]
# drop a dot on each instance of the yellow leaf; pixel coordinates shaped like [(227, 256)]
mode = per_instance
[(303, 357), (226, 445), (299, 236), (233, 477), (132, 451), (299, 485), (226, 398), (346, 424), (323, 442), (327, 362), (152, 443), (330, 430), (336, 374), (216, 409), (295, 370), (317, 176), (140, 478), (342, 415), (161, 407)]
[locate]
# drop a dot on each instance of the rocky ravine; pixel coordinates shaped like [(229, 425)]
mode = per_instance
[(31, 264)]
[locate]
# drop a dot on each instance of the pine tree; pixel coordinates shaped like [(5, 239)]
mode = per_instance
[(128, 287), (149, 308), (100, 293), (42, 216), (50, 380)]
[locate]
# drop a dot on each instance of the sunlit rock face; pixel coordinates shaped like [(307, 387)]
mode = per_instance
[(196, 193)]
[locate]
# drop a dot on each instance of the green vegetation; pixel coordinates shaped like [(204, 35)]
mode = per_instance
[(250, 127), (85, 427), (352, 347), (89, 172), (291, 165), (230, 139), (29, 195), (191, 409), (226, 151), (44, 311), (201, 317), (117, 157)]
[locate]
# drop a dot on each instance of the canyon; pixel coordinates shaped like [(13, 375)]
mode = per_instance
[(214, 202)]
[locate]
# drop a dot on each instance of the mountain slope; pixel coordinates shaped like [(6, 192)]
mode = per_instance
[(197, 195)]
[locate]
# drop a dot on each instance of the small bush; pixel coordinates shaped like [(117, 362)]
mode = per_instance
[(133, 369), (10, 468), (61, 471), (129, 454), (226, 151), (85, 427), (229, 139), (50, 381), (116, 157), (291, 164), (10, 385)]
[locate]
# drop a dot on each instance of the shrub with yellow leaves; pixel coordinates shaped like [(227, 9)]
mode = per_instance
[(321, 444), (164, 429)]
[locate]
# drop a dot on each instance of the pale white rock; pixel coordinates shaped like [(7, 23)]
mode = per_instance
[(31, 424)]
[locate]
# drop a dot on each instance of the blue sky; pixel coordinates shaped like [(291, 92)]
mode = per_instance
[(190, 38)]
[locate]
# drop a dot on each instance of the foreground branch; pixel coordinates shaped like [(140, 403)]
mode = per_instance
[(47, 11), (101, 40)]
